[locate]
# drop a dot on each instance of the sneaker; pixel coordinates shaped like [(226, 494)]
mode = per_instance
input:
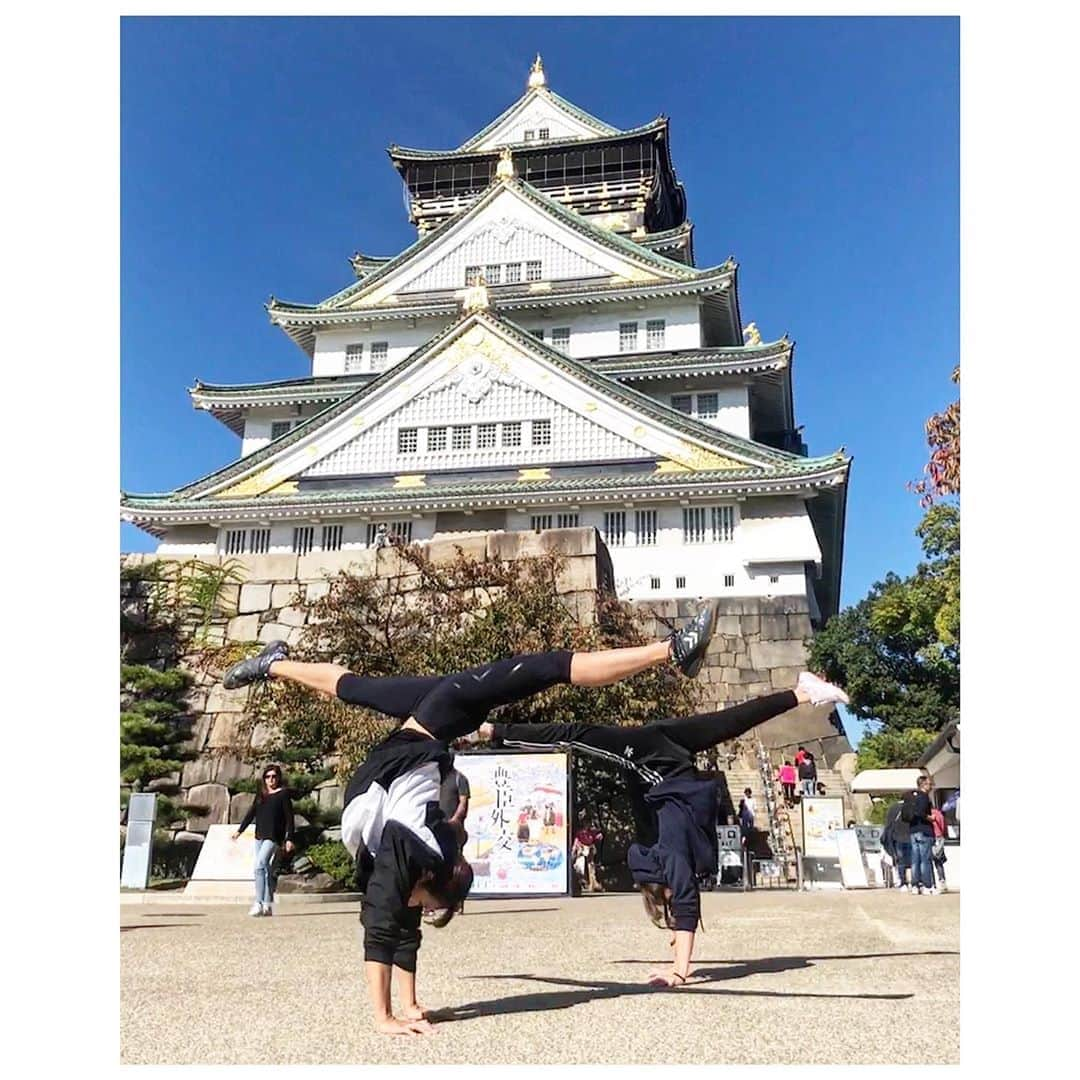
[(268, 909), (819, 690), (688, 645), (255, 909), (255, 668), (903, 888)]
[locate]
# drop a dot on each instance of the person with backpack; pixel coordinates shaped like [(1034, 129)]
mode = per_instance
[(897, 838), (808, 774)]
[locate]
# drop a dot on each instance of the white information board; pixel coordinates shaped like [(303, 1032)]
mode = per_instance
[(224, 859)]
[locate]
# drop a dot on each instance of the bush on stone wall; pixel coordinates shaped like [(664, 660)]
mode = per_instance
[(333, 858)]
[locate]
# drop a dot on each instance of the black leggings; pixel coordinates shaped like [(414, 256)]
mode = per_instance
[(450, 706), (656, 751)]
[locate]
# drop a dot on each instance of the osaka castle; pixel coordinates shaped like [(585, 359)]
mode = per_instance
[(546, 354)]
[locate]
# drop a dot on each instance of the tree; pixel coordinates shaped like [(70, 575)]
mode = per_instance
[(153, 729), (943, 469), (893, 749)]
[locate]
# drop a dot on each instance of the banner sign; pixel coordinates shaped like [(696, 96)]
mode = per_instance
[(869, 837), (854, 871), (518, 823), (729, 837), (821, 818)]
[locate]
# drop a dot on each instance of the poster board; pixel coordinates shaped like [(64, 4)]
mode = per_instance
[(822, 817), (224, 859), (139, 842), (518, 823), (854, 872)]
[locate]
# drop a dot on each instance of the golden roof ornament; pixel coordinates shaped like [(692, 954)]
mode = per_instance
[(537, 78), (504, 170), (476, 296), (751, 334)]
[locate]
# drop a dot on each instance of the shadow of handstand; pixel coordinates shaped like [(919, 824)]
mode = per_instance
[(602, 990)]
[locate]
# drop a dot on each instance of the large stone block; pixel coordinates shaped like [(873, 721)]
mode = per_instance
[(799, 625), (215, 797), (273, 631), (576, 575), (570, 542), (775, 654), (785, 678), (228, 597), (774, 627), (270, 568), (243, 627), (292, 616), (749, 624), (474, 546), (316, 590), (225, 733), (227, 701), (320, 565), (239, 805), (390, 563), (262, 735), (330, 796), (228, 768), (283, 595), (729, 624), (254, 598), (198, 771)]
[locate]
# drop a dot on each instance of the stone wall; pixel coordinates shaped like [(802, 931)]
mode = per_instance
[(758, 647), (268, 604)]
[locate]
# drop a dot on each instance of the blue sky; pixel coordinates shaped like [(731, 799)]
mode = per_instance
[(823, 153)]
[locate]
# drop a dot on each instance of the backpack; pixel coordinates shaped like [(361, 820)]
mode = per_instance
[(907, 808)]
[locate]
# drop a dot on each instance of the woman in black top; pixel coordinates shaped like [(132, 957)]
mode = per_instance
[(273, 816)]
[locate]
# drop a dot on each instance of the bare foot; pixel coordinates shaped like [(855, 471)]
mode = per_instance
[(393, 1026), (414, 1012), (670, 980), (486, 731)]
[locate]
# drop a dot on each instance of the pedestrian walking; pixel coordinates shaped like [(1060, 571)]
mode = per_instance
[(272, 813)]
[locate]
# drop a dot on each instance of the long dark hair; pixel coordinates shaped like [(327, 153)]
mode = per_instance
[(263, 791), (656, 904)]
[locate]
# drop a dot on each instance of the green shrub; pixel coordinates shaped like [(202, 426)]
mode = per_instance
[(334, 859)]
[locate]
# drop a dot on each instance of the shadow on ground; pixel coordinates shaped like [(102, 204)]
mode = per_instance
[(601, 989)]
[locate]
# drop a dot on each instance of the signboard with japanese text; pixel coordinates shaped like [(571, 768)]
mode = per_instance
[(518, 823), (822, 818)]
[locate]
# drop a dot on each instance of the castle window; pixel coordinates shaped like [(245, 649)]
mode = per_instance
[(485, 436), (354, 357), (236, 541), (260, 541), (568, 521), (303, 539), (654, 583), (544, 133), (472, 275), (493, 274), (683, 403), (540, 522), (680, 582), (379, 350), (331, 537), (436, 438), (694, 519), (533, 270), (279, 428), (538, 333), (399, 531), (560, 338), (729, 581), (529, 134), (654, 334), (645, 526), (462, 437), (723, 524), (511, 433), (541, 433), (708, 405), (627, 337), (513, 273), (407, 440), (774, 579), (615, 528)]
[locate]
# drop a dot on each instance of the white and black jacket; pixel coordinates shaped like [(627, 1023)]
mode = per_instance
[(393, 826)]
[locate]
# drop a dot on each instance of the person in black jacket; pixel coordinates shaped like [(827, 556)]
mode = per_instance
[(408, 855), (666, 867), (922, 839), (273, 816)]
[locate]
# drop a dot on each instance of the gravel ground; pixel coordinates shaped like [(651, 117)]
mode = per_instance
[(779, 978)]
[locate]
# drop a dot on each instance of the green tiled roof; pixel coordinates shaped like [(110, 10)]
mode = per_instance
[(768, 461), (411, 153), (570, 218)]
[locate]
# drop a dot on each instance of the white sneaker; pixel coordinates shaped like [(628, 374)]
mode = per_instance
[(903, 888), (256, 909), (268, 909), (819, 690)]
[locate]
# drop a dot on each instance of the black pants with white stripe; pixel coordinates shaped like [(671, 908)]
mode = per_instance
[(450, 706), (655, 752)]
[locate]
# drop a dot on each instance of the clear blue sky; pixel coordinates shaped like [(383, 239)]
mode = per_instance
[(823, 153)]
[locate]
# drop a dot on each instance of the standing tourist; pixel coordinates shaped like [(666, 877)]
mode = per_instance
[(273, 816), (807, 773), (922, 839), (897, 833), (787, 776), (937, 855)]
